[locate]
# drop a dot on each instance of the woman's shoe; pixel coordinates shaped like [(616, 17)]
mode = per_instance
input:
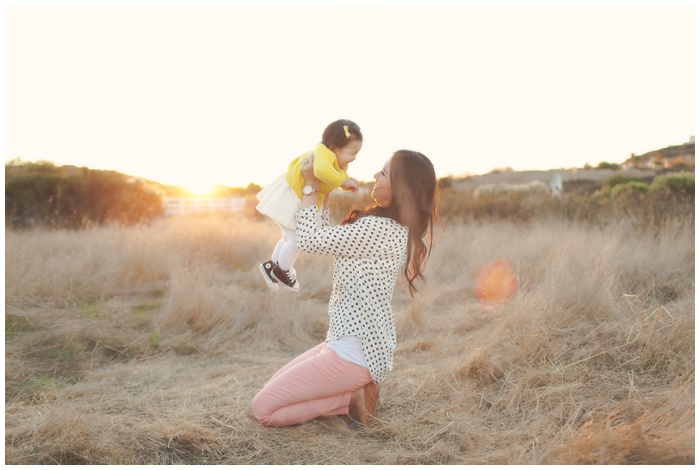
[(371, 393), (363, 403)]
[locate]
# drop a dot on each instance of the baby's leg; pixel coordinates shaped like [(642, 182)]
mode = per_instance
[(288, 251), (278, 248)]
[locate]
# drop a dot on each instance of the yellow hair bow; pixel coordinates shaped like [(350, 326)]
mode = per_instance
[(347, 132)]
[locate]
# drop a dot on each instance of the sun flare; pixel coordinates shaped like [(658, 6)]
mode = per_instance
[(200, 188), (496, 282)]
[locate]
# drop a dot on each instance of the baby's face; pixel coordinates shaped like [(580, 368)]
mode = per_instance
[(347, 154)]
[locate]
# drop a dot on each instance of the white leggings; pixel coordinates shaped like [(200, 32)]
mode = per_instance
[(286, 250)]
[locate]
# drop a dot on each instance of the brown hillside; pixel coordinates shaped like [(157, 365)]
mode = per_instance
[(648, 165)]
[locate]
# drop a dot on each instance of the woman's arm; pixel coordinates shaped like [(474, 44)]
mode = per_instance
[(307, 171), (367, 238), (326, 205)]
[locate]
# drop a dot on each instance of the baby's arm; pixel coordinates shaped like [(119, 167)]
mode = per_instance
[(325, 171), (350, 184)]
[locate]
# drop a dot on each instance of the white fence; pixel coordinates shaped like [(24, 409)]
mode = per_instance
[(192, 205)]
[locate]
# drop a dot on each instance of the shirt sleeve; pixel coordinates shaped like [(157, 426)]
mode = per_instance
[(363, 239), (326, 218)]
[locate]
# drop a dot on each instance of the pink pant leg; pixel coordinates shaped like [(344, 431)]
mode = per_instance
[(298, 359), (317, 383)]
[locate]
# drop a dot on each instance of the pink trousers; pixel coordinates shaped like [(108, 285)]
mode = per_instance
[(317, 383)]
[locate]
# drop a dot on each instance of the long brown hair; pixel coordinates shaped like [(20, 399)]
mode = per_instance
[(414, 204)]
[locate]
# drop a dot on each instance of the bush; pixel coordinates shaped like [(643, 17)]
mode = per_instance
[(635, 189), (616, 180), (608, 166), (42, 194), (682, 183)]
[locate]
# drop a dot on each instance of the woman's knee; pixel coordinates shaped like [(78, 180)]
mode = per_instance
[(259, 411)]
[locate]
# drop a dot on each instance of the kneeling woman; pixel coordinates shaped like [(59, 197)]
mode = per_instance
[(372, 248)]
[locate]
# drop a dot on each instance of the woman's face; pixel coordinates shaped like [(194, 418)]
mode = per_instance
[(381, 192)]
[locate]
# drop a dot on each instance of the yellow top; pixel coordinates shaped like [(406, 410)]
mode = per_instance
[(326, 169)]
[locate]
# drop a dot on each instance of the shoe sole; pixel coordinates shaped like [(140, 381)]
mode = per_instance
[(282, 283), (270, 282)]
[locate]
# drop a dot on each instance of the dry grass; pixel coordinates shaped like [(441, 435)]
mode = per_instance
[(146, 346)]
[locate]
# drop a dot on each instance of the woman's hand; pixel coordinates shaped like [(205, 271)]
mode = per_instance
[(307, 171)]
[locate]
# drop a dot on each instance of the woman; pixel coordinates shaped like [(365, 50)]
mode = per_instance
[(372, 247)]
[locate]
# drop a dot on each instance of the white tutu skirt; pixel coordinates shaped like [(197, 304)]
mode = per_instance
[(279, 202)]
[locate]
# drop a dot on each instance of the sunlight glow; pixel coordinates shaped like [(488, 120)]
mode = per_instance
[(200, 187)]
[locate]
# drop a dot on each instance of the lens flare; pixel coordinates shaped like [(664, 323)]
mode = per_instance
[(496, 283)]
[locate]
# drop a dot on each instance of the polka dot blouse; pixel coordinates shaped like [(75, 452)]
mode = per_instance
[(369, 258)]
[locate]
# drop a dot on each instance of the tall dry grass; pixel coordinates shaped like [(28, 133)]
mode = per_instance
[(146, 346)]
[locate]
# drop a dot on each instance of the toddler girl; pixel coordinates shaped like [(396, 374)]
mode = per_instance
[(281, 199)]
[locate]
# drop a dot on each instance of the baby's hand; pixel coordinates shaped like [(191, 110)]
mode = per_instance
[(351, 184)]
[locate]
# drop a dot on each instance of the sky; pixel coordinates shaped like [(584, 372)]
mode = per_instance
[(229, 93)]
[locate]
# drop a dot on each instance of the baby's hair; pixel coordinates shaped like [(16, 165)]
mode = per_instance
[(335, 134)]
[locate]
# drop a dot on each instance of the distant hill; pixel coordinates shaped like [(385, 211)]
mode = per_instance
[(646, 166), (679, 157)]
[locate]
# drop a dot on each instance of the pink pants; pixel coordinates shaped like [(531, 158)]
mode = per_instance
[(317, 383)]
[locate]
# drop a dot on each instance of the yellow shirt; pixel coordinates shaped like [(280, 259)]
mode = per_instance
[(326, 169)]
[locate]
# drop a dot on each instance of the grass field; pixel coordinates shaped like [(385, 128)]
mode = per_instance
[(146, 346)]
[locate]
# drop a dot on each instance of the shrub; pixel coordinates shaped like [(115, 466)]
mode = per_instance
[(608, 166), (682, 183), (635, 189), (42, 194), (616, 180)]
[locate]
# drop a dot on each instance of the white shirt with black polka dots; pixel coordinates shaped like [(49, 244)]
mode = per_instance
[(369, 258)]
